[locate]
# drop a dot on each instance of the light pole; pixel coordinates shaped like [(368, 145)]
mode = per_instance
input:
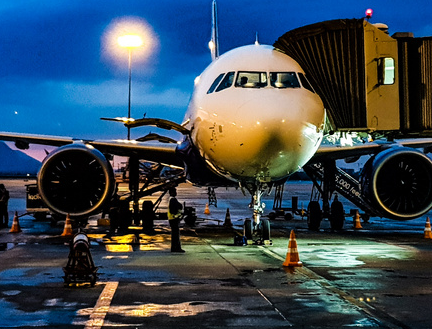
[(130, 41)]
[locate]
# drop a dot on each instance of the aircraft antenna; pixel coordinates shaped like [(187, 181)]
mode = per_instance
[(256, 39), (214, 42)]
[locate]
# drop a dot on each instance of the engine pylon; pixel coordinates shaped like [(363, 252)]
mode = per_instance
[(292, 256), (15, 225), (427, 230)]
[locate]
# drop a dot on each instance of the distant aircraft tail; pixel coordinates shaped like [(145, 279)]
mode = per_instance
[(214, 42)]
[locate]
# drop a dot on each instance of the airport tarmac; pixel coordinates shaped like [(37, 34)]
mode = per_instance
[(375, 277)]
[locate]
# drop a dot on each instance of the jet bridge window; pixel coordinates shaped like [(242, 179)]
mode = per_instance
[(386, 71), (226, 82), (305, 83), (215, 83), (251, 79), (284, 80)]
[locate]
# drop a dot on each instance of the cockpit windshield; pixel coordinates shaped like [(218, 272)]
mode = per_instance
[(251, 79), (284, 80), (243, 79)]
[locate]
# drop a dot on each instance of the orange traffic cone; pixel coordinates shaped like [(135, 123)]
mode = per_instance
[(357, 224), (427, 230), (68, 227), (292, 256), (227, 218), (15, 225), (207, 210)]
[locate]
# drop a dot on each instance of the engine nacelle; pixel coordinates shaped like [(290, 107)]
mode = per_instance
[(399, 182), (76, 179)]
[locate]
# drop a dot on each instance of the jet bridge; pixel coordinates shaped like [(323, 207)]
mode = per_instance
[(368, 80)]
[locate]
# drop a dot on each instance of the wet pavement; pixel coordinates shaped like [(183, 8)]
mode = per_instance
[(376, 277)]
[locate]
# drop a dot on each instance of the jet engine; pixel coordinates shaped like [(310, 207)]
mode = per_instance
[(399, 182), (76, 179)]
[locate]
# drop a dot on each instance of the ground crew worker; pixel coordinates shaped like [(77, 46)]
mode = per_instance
[(174, 217), (4, 199)]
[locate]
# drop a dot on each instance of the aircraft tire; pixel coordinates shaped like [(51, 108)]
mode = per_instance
[(248, 229), (265, 229), (314, 216), (337, 215)]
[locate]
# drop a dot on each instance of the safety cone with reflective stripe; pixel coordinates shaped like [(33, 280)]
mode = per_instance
[(227, 218), (357, 224), (15, 225), (207, 210), (68, 227), (427, 230), (292, 256)]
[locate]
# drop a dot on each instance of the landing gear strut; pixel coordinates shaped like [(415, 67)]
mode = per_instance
[(259, 226)]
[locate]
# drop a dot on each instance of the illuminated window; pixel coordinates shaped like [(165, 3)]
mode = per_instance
[(386, 71), (226, 82), (305, 83), (215, 83), (284, 80), (251, 79)]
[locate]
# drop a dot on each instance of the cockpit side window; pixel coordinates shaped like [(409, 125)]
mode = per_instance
[(251, 79), (305, 83), (215, 83), (284, 80), (226, 82)]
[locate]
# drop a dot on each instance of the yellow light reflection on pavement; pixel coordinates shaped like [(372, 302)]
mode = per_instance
[(119, 248)]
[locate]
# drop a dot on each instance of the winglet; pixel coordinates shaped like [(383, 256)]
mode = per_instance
[(214, 42)]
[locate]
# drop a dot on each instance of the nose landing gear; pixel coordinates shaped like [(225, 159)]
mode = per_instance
[(258, 227)]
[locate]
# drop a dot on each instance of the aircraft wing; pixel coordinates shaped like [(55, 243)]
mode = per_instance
[(340, 152), (164, 153)]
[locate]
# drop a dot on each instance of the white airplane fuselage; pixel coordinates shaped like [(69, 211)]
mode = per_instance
[(259, 131)]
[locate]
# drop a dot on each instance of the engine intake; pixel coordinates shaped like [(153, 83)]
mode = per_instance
[(76, 179), (399, 182)]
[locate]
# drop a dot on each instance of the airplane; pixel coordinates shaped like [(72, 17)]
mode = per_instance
[(253, 120)]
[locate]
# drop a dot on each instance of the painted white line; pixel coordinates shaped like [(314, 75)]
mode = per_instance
[(102, 306)]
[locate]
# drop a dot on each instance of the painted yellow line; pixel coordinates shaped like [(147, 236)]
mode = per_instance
[(102, 306)]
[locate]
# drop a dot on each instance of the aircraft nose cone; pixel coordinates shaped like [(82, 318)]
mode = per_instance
[(266, 137)]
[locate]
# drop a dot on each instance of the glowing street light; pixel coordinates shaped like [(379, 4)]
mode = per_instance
[(130, 41)]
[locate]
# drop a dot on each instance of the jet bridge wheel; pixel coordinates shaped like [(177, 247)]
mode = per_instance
[(337, 215), (314, 216)]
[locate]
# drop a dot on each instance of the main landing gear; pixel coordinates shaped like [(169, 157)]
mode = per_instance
[(324, 176), (257, 227)]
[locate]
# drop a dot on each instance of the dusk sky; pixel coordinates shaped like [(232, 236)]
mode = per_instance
[(60, 71)]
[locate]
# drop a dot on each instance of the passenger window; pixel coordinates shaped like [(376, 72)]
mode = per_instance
[(215, 83), (251, 79), (305, 83), (226, 82), (284, 80)]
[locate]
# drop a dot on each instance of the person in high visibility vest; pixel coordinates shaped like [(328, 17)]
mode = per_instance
[(175, 215)]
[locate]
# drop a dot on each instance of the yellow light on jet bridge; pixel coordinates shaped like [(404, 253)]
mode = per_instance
[(130, 41)]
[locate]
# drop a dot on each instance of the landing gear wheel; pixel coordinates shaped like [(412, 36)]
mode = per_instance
[(248, 229), (337, 215), (265, 224), (314, 216)]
